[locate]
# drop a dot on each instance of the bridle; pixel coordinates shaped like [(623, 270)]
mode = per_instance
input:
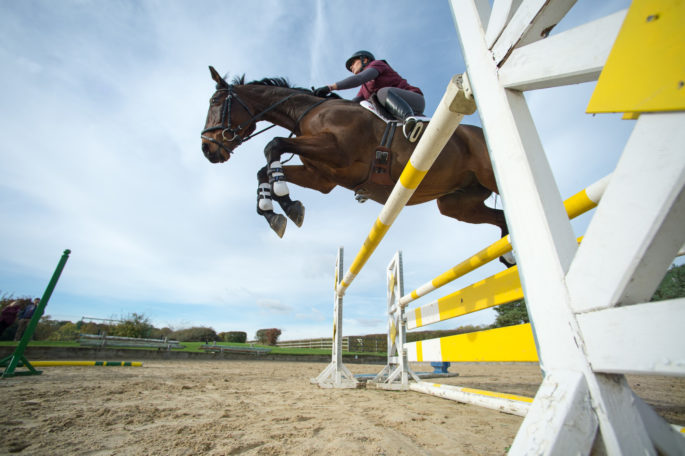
[(229, 133), (232, 134)]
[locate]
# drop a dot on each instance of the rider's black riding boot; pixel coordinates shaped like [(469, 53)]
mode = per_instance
[(398, 107)]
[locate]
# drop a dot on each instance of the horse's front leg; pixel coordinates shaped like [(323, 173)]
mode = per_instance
[(320, 148), (265, 206), (279, 187)]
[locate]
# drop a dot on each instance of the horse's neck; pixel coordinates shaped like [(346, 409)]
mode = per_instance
[(290, 104)]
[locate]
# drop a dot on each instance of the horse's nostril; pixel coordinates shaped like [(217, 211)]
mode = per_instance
[(205, 148)]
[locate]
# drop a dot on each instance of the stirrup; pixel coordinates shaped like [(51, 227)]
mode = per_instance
[(413, 127)]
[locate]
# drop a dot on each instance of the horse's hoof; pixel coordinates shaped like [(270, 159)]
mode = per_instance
[(295, 212), (278, 222)]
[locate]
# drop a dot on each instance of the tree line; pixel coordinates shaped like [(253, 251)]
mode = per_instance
[(138, 325), (133, 325)]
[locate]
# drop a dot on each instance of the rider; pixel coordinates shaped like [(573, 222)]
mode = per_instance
[(401, 99)]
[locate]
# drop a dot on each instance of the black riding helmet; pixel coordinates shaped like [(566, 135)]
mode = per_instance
[(358, 55)]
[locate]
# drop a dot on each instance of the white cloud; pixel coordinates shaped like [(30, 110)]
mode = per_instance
[(273, 305)]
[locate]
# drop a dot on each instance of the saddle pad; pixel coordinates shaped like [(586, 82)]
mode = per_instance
[(375, 109)]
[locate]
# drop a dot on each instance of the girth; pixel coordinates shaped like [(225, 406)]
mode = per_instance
[(379, 179)]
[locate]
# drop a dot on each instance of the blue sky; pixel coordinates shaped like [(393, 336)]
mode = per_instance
[(102, 103)]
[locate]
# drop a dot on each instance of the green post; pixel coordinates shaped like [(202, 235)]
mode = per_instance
[(17, 358)]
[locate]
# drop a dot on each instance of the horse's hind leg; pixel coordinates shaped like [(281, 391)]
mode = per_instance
[(467, 205), (265, 206)]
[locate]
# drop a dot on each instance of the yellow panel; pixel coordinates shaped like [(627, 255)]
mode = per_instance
[(393, 333), (499, 289), (512, 343), (391, 283), (417, 317), (645, 71)]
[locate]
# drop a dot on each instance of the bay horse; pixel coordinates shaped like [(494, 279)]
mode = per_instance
[(336, 141)]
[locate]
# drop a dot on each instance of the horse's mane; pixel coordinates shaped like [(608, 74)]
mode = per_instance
[(275, 82)]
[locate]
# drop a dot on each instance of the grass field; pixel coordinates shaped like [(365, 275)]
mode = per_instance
[(195, 347)]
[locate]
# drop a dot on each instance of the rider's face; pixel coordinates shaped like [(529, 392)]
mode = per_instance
[(356, 66)]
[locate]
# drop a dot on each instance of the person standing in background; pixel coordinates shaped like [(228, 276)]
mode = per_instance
[(9, 315), (25, 317)]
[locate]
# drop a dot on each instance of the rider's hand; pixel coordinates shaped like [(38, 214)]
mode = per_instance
[(322, 91)]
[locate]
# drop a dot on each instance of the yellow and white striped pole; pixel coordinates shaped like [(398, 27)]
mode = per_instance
[(576, 205), (507, 403), (456, 103)]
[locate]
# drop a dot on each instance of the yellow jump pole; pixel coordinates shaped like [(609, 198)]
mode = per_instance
[(89, 363), (456, 103), (576, 205)]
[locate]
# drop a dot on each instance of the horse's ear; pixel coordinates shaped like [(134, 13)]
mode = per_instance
[(217, 78)]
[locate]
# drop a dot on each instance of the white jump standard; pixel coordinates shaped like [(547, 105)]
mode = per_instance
[(632, 239), (587, 302)]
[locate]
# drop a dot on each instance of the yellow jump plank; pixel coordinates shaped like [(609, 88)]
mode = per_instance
[(501, 288)]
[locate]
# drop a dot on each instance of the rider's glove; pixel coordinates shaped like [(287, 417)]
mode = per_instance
[(322, 91)]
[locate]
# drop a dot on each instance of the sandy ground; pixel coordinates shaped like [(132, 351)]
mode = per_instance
[(265, 408)]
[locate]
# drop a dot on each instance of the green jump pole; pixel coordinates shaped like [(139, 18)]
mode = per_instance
[(17, 358)]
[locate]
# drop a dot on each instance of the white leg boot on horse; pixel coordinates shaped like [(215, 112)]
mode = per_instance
[(265, 206), (279, 187), (277, 179)]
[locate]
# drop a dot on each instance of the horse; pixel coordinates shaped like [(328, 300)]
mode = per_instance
[(337, 143)]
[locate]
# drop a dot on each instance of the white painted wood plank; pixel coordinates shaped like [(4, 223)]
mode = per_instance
[(637, 229), (560, 420), (575, 56), (638, 339), (664, 436), (502, 12), (484, 10), (532, 21), (620, 423), (540, 229)]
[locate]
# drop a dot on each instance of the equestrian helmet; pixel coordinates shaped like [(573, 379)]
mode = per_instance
[(358, 55)]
